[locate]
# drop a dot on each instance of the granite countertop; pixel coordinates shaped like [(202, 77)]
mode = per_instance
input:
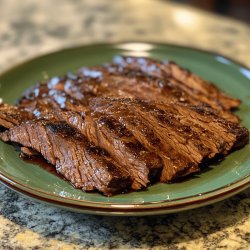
[(29, 28)]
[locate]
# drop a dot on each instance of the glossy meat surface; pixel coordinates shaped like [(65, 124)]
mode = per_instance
[(124, 125)]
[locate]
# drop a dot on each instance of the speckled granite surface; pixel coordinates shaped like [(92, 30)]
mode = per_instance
[(29, 28)]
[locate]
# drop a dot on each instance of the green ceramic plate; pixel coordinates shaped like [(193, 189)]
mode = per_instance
[(217, 183)]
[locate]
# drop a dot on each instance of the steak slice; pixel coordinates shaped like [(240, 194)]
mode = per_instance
[(222, 127), (41, 100), (129, 78), (185, 78), (196, 148), (218, 134), (196, 83), (127, 148), (133, 83), (202, 121), (175, 163), (124, 124), (186, 135), (82, 163), (142, 165), (11, 115)]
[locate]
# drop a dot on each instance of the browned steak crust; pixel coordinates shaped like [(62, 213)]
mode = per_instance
[(124, 125)]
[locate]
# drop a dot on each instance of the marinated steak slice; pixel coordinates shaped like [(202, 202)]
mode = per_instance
[(143, 165), (124, 125), (106, 132), (175, 163), (184, 136), (116, 81), (225, 129), (82, 163), (203, 121), (187, 79), (141, 162), (194, 82), (66, 92), (11, 115), (217, 134), (134, 78), (41, 100)]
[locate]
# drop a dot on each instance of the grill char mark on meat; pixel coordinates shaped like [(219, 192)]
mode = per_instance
[(174, 162), (126, 147), (221, 133), (142, 164), (195, 137), (82, 163), (77, 121), (109, 134), (227, 128), (199, 136), (162, 124)]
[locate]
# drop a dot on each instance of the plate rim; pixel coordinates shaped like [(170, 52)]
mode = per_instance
[(108, 207), (244, 181)]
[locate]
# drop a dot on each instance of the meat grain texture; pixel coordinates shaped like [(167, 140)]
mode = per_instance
[(125, 125)]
